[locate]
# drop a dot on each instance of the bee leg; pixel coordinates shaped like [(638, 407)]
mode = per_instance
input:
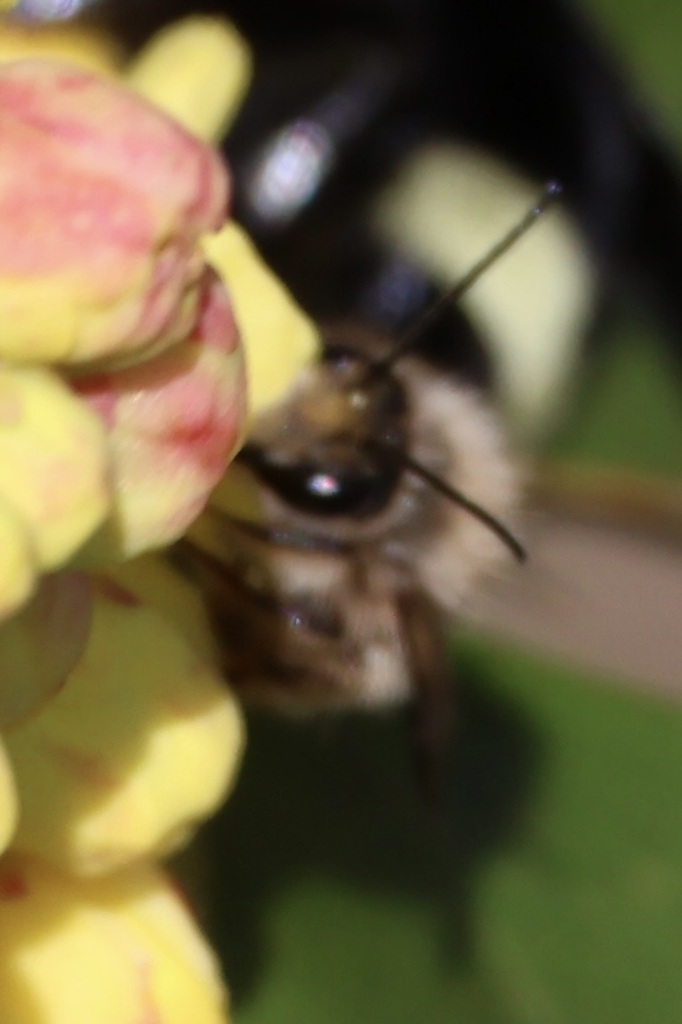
[(432, 678)]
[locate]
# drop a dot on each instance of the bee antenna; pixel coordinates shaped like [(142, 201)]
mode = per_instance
[(412, 336), (453, 494)]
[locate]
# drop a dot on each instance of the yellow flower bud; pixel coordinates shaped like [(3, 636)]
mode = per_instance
[(117, 950), (53, 464), (139, 745)]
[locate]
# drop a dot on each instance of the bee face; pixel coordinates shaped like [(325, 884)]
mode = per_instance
[(336, 596), (326, 451)]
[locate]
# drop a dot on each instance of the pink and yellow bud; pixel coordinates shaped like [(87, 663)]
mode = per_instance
[(117, 950), (102, 274), (173, 424), (278, 338), (103, 200)]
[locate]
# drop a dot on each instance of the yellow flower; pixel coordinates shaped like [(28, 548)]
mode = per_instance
[(107, 951), (101, 263), (122, 398), (140, 196)]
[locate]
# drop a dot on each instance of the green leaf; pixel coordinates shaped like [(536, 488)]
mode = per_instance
[(645, 37), (547, 889), (629, 412)]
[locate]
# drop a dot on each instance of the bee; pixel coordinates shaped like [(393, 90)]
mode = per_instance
[(383, 486)]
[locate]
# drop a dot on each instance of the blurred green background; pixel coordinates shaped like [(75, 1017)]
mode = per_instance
[(549, 889)]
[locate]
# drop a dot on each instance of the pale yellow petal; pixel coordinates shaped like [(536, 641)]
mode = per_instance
[(278, 337), (198, 71)]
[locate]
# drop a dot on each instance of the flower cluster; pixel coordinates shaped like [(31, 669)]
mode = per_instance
[(122, 400)]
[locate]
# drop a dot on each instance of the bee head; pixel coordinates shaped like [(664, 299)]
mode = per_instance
[(339, 446), (324, 451)]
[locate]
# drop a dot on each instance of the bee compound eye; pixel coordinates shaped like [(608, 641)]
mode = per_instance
[(358, 486)]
